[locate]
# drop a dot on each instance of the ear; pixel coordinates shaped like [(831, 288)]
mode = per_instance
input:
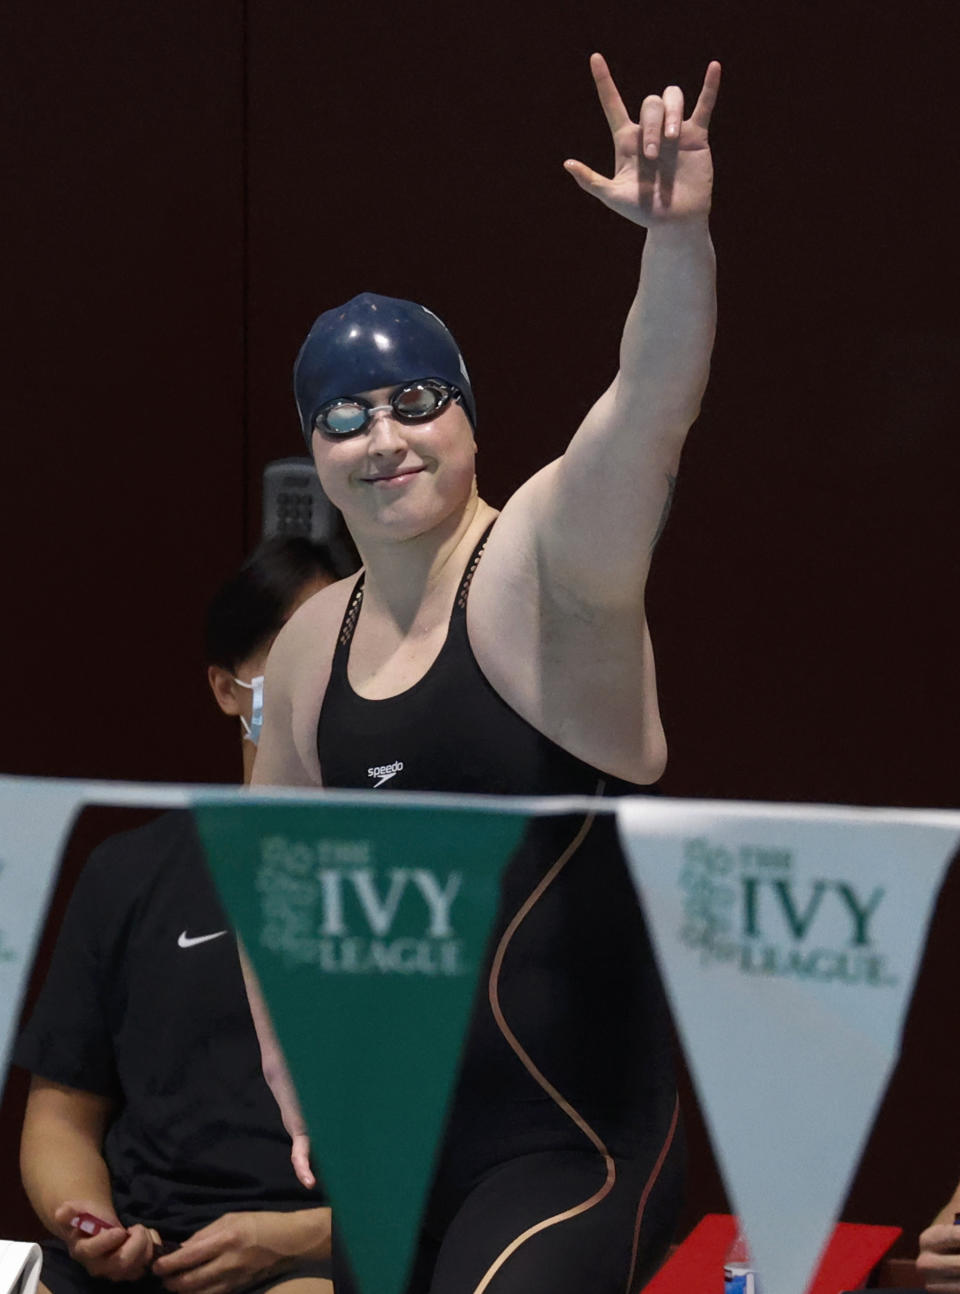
[(225, 691)]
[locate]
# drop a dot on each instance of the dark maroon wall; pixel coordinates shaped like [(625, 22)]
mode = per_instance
[(124, 456), (192, 184)]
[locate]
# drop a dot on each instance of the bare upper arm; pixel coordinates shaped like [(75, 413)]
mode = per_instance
[(53, 1105), (582, 530), (599, 513), (576, 665), (295, 681)]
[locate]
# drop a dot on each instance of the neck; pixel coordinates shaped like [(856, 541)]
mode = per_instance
[(401, 575)]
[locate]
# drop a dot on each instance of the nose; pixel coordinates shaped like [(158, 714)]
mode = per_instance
[(384, 432)]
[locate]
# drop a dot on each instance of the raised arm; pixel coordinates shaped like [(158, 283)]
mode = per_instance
[(599, 510)]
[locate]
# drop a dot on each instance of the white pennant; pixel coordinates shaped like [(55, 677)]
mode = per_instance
[(36, 815), (789, 940), (35, 818)]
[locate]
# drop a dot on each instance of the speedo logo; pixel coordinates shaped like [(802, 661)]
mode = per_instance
[(385, 772)]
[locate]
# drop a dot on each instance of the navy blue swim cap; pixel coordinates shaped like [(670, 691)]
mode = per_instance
[(370, 342)]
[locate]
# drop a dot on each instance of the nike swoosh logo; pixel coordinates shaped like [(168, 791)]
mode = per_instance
[(385, 778), (185, 940)]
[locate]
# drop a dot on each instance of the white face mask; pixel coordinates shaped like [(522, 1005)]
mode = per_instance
[(251, 730)]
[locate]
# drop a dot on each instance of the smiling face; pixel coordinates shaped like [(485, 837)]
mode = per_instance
[(396, 479)]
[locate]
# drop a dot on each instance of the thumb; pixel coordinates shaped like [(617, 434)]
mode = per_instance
[(590, 181), (66, 1212)]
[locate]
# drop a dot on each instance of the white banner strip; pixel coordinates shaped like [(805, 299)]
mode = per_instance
[(183, 794)]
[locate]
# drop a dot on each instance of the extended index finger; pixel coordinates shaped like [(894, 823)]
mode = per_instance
[(610, 101), (708, 96)]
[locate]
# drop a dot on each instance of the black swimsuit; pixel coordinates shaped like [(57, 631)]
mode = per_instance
[(560, 1168)]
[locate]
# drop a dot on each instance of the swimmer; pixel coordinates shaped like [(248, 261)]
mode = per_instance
[(509, 652)]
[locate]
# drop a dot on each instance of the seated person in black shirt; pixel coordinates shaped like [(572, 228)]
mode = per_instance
[(148, 1108)]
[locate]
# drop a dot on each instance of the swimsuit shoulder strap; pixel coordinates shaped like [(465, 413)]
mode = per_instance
[(349, 622), (460, 602)]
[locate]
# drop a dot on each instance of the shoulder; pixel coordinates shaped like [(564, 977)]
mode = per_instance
[(511, 572), (505, 608), (122, 878), (514, 548), (129, 860), (297, 674), (314, 625), (303, 650), (575, 664)]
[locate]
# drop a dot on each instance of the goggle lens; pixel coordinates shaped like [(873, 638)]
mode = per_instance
[(418, 401), (344, 419), (414, 402)]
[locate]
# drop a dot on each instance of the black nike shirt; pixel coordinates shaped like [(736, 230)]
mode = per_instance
[(144, 1003)]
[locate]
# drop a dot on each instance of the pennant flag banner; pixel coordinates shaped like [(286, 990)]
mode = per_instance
[(788, 936), (789, 941), (36, 815), (367, 927)]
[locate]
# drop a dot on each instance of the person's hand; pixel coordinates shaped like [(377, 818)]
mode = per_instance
[(116, 1254), (662, 169), (939, 1259), (237, 1249), (277, 1075), (300, 1158)]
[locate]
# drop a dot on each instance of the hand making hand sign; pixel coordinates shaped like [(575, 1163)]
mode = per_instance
[(662, 168)]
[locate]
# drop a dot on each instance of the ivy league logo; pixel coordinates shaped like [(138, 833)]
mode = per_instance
[(329, 904), (747, 907)]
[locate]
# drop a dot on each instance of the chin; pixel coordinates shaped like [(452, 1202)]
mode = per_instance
[(408, 519)]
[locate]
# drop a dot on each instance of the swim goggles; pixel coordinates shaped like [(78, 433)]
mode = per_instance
[(411, 403)]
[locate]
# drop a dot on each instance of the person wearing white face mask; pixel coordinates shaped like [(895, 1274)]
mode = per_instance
[(243, 619), (251, 728), (148, 1110)]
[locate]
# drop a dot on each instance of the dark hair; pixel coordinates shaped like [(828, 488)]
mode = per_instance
[(251, 607)]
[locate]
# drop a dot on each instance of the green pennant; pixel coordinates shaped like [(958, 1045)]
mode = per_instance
[(367, 927)]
